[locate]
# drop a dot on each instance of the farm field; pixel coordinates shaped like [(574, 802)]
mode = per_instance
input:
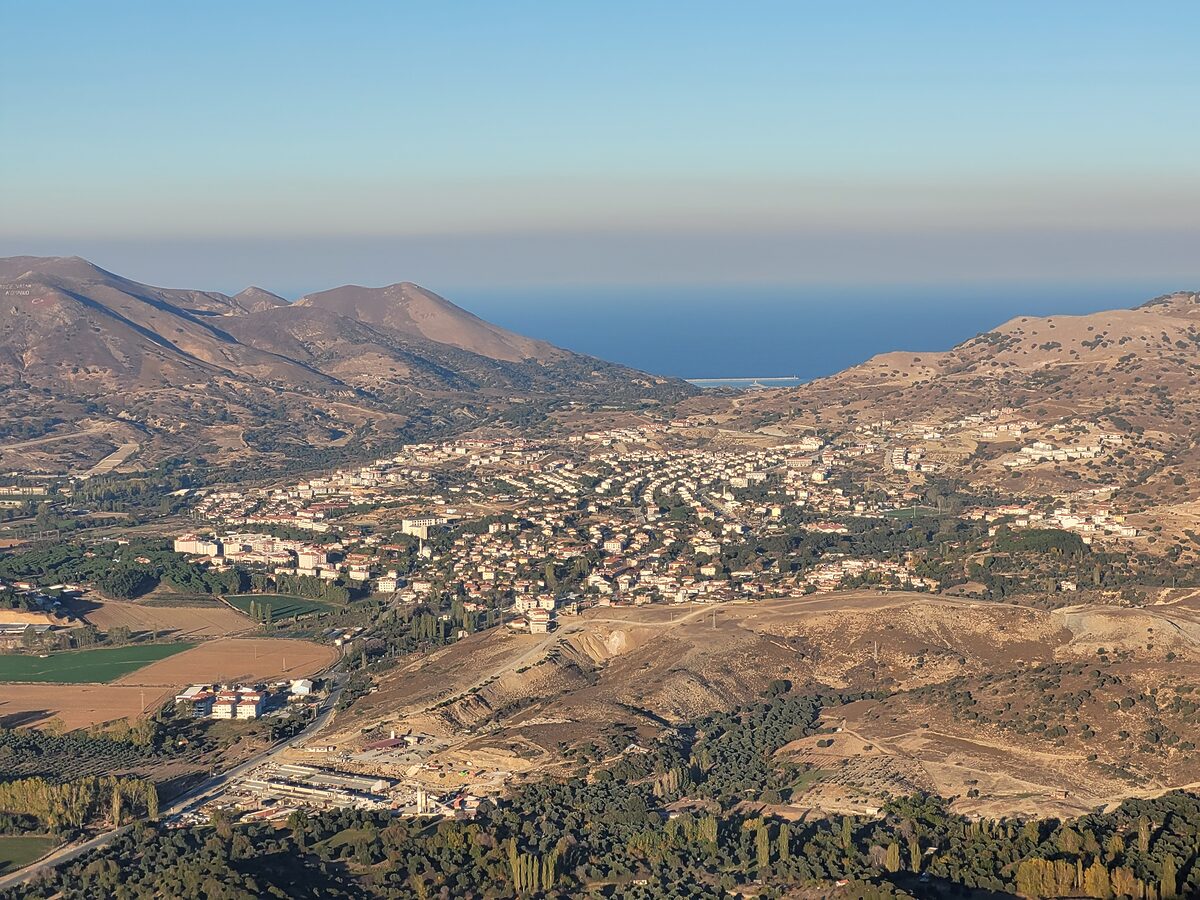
[(236, 659), (201, 621), (20, 850), (79, 706), (283, 606), (85, 666), (15, 616)]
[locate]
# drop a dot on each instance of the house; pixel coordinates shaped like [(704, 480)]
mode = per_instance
[(250, 705), (225, 706), (302, 687), (538, 620), (196, 704)]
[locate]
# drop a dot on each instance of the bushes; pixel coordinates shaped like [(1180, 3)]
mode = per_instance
[(126, 583)]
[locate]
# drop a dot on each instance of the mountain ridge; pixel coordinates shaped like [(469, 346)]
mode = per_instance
[(368, 362)]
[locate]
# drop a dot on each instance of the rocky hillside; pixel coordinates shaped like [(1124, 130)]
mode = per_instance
[(94, 360)]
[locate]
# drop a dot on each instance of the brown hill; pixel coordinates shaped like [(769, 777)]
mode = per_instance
[(1134, 373), (255, 299), (70, 324), (415, 312), (1140, 365), (223, 375), (967, 684)]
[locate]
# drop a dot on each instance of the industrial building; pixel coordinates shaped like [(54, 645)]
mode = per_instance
[(318, 787)]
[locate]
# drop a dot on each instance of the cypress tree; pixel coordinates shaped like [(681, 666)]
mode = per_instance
[(892, 860), (1167, 884)]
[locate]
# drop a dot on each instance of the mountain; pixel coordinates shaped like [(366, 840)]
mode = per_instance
[(255, 299), (411, 310), (94, 359)]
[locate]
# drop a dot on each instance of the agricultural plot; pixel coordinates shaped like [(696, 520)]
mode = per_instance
[(142, 677), (237, 660), (80, 706), (98, 666), (19, 850), (200, 621), (283, 606)]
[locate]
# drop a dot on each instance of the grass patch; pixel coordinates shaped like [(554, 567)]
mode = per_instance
[(19, 850), (911, 512), (346, 836), (86, 666), (806, 779), (283, 606)]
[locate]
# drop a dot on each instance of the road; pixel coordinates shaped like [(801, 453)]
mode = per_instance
[(114, 459), (52, 438), (199, 794)]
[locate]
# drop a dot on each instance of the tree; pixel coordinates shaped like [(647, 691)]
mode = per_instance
[(1095, 881), (298, 823), (1143, 834), (892, 860), (1167, 884), (151, 801), (914, 853), (762, 846), (222, 824)]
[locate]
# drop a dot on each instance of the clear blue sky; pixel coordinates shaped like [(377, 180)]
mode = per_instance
[(302, 144)]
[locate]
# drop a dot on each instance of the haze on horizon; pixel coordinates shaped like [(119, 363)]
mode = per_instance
[(301, 145)]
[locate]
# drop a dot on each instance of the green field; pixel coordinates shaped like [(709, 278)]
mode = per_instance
[(85, 666), (20, 850), (911, 512), (806, 779), (283, 606)]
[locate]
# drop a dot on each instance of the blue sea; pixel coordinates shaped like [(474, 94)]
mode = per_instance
[(726, 332)]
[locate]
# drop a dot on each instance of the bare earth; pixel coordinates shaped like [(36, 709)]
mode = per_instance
[(72, 705), (174, 621), (505, 702), (236, 659)]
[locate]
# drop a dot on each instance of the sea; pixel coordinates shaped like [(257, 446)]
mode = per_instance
[(776, 336)]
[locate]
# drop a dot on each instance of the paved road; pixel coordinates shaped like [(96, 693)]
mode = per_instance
[(199, 794)]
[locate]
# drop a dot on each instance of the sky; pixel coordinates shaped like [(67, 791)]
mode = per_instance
[(471, 145)]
